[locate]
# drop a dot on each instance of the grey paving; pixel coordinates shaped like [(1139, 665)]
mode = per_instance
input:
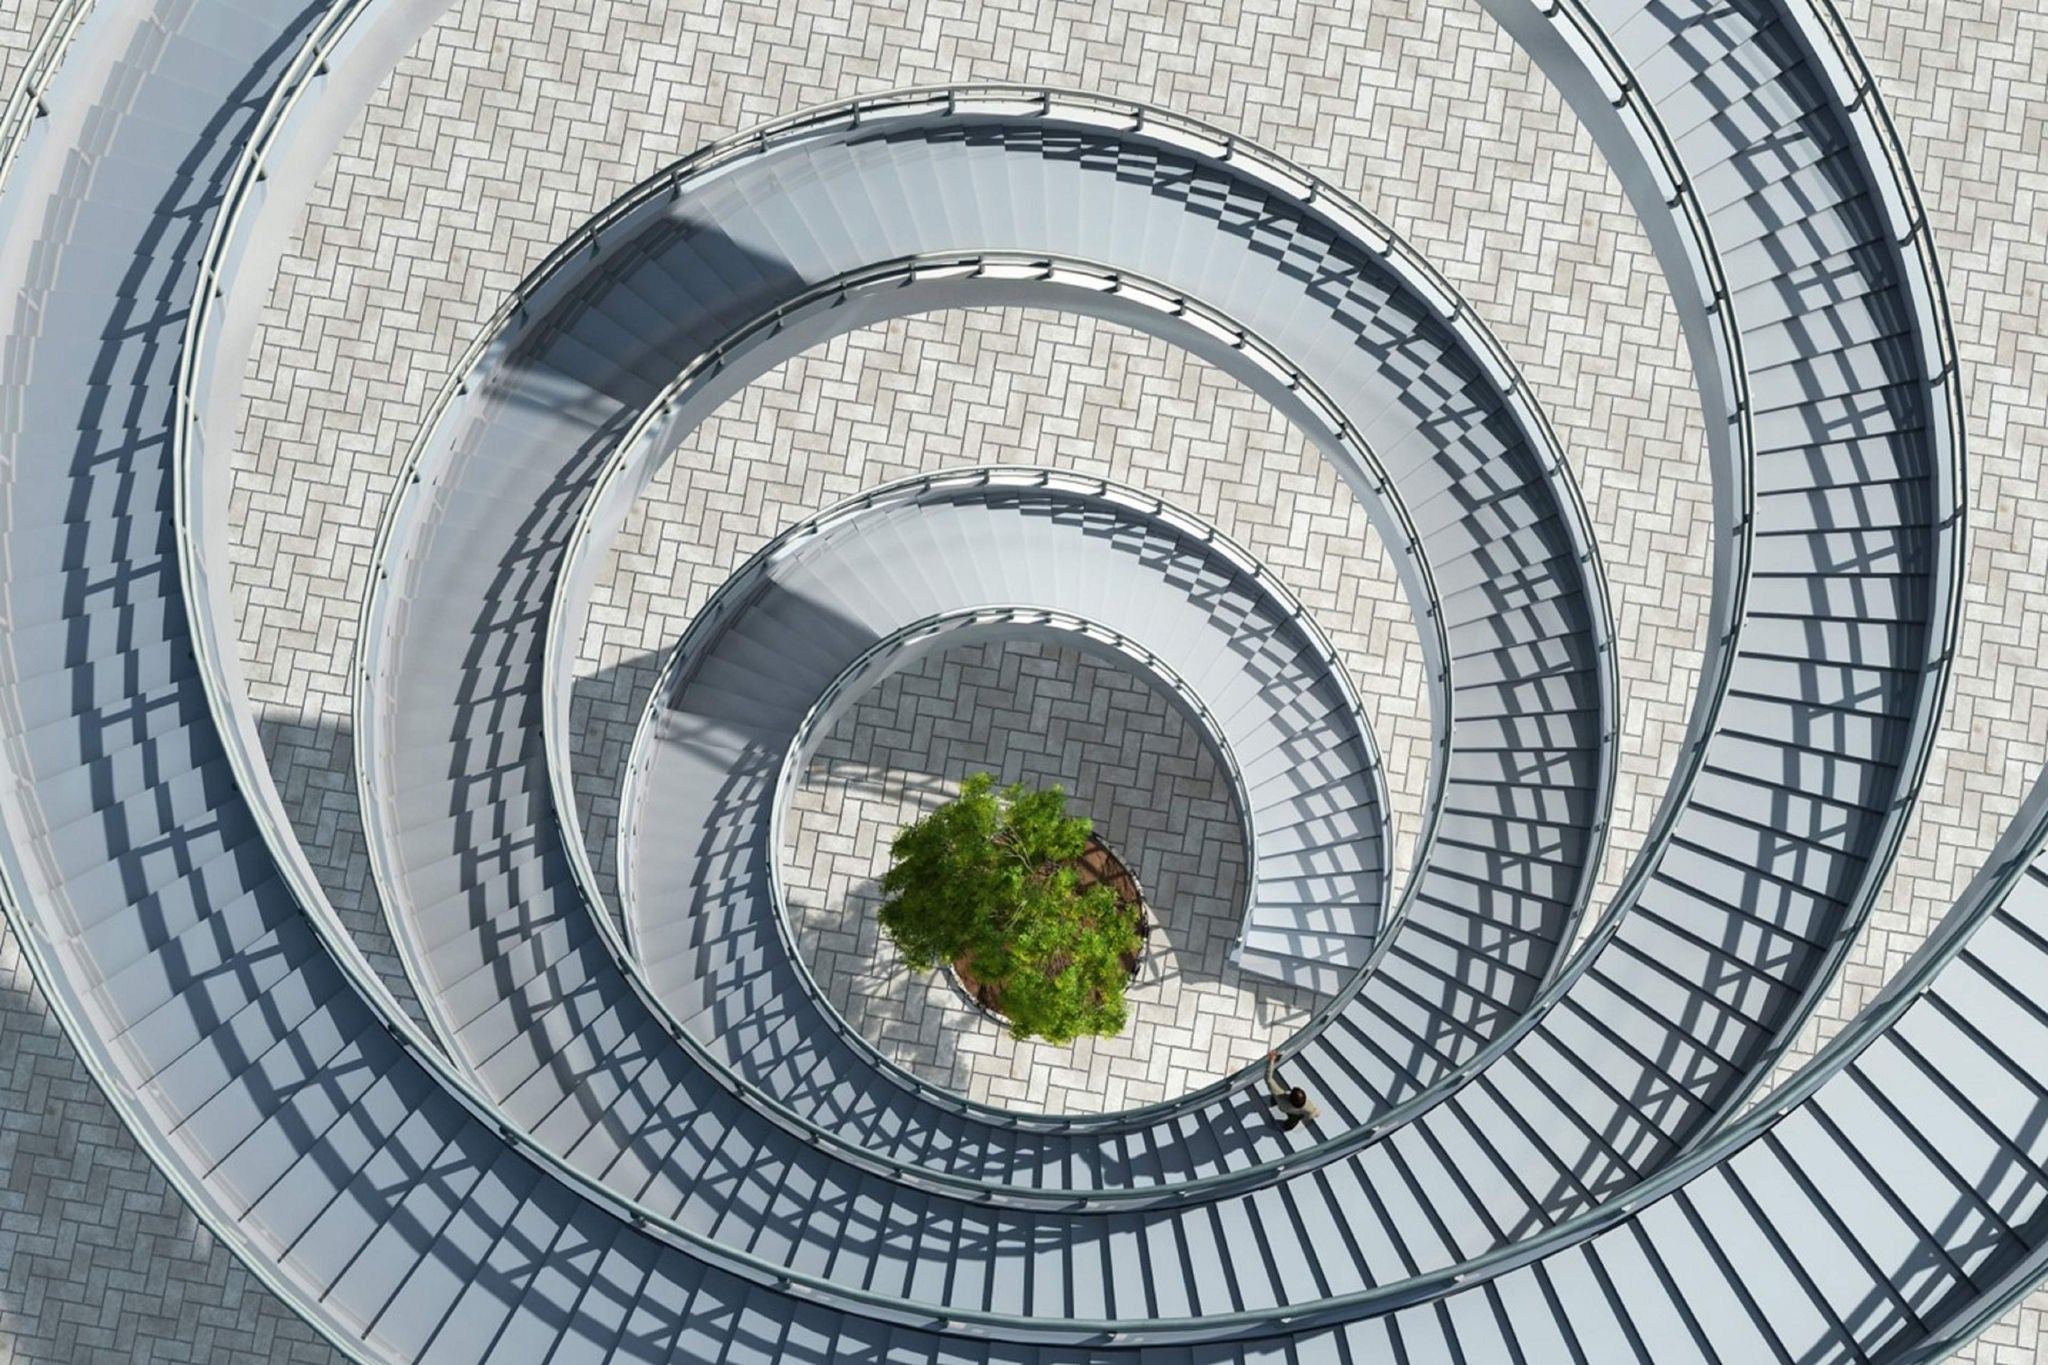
[(21, 23), (1993, 252), (100, 1260)]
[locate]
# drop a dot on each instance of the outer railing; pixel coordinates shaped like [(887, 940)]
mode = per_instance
[(1871, 125), (80, 1019), (1880, 1014), (25, 101)]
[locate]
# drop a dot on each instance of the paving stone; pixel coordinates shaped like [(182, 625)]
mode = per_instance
[(511, 121)]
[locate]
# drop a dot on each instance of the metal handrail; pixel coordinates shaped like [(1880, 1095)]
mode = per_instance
[(1326, 201), (732, 595), (252, 773), (42, 950), (1576, 1226), (25, 101), (861, 114)]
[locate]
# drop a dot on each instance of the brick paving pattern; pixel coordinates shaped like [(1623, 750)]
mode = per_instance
[(510, 122), (100, 1259), (21, 27), (1127, 759)]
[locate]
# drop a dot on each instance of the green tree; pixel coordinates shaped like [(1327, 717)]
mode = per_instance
[(992, 879)]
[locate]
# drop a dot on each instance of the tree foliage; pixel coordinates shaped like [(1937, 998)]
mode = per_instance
[(992, 878)]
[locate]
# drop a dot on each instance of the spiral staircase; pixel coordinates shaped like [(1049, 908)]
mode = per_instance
[(628, 1125)]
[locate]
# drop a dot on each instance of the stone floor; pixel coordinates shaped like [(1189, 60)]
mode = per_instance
[(515, 118), (1130, 761)]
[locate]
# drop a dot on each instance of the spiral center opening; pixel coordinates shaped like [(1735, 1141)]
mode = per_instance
[(1042, 714)]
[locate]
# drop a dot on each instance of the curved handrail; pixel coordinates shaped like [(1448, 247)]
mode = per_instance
[(25, 101), (709, 621), (1809, 1077), (1330, 203), (1016, 267)]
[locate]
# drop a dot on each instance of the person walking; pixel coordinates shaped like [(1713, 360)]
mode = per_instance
[(1292, 1101)]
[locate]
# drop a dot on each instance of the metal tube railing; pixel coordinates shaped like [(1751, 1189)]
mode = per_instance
[(666, 184), (865, 113), (903, 105), (25, 100), (711, 620), (1387, 1296)]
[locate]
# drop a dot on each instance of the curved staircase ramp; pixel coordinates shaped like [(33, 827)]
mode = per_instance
[(1481, 937), (695, 856), (1898, 1198), (1635, 1049)]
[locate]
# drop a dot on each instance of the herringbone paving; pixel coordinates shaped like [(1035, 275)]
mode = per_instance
[(993, 386), (512, 120), (21, 26), (1127, 759), (100, 1259)]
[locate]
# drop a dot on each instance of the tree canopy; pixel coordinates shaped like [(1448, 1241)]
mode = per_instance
[(992, 878)]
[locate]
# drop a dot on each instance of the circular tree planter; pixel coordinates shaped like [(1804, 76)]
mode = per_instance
[(1097, 866), (1008, 890)]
